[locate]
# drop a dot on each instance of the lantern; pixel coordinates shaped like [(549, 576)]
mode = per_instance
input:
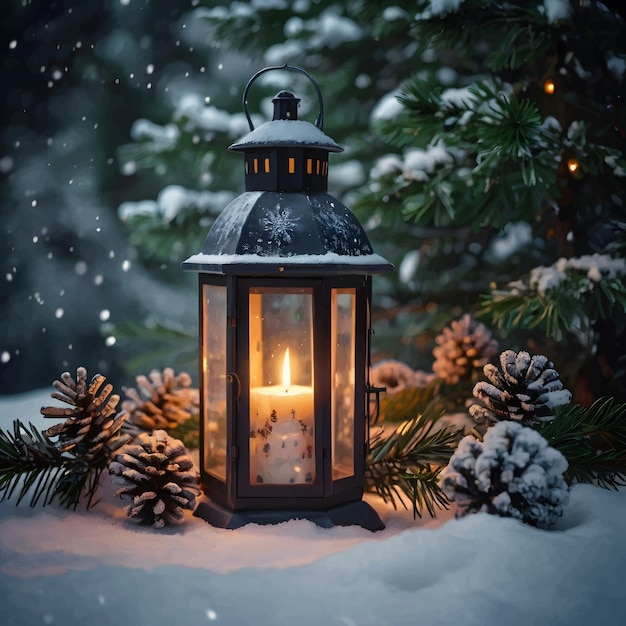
[(285, 289)]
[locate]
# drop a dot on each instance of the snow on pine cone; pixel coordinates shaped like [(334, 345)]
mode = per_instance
[(526, 389), (161, 401), (93, 425), (512, 473), (157, 474), (462, 348)]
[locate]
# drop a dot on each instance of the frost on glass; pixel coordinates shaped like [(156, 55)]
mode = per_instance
[(214, 380), (343, 380), (282, 442)]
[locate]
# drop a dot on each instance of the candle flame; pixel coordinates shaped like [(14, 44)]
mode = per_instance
[(286, 371)]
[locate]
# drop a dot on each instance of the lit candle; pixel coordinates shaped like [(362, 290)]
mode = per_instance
[(281, 424)]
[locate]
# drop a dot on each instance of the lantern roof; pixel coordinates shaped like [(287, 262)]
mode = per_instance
[(285, 130), (286, 221), (274, 232), (286, 133)]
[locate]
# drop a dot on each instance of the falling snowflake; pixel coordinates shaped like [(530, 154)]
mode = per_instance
[(279, 225)]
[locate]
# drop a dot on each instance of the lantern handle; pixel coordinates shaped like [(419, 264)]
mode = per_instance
[(319, 122)]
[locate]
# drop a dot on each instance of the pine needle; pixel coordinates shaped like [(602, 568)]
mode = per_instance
[(32, 468), (593, 440), (406, 464), (27, 459)]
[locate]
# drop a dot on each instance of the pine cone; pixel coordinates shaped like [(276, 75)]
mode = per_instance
[(463, 347), (395, 376), (157, 474), (162, 401), (512, 473), (527, 390), (92, 427)]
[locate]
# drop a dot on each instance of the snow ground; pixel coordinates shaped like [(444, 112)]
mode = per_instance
[(97, 569)]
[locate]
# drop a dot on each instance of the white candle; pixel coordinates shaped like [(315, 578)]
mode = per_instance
[(281, 424)]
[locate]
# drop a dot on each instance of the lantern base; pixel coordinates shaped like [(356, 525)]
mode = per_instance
[(352, 514)]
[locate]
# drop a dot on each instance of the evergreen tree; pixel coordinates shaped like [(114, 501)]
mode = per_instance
[(518, 125), (484, 153), (75, 76)]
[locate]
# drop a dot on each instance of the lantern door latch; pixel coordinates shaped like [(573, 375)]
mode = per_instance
[(372, 416), (232, 377)]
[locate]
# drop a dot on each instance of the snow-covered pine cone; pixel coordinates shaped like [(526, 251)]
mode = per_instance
[(462, 348), (512, 473), (527, 389), (161, 401), (93, 425), (157, 474)]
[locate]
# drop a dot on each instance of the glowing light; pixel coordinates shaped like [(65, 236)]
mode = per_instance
[(286, 379), (549, 86), (573, 165)]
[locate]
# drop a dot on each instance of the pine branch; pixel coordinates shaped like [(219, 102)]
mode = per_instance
[(593, 440), (400, 406), (484, 131), (69, 468), (569, 294), (407, 463), (188, 432), (147, 348), (31, 464)]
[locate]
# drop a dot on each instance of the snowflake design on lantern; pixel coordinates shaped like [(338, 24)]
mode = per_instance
[(342, 232), (279, 225), (327, 216)]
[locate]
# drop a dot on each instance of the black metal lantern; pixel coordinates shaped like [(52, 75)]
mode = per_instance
[(285, 286)]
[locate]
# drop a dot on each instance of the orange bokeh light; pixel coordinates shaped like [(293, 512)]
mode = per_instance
[(572, 165), (549, 86)]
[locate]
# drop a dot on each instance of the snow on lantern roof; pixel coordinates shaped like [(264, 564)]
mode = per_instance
[(286, 133), (309, 264)]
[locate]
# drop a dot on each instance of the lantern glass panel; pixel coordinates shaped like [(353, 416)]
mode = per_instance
[(282, 443), (214, 379), (343, 303)]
